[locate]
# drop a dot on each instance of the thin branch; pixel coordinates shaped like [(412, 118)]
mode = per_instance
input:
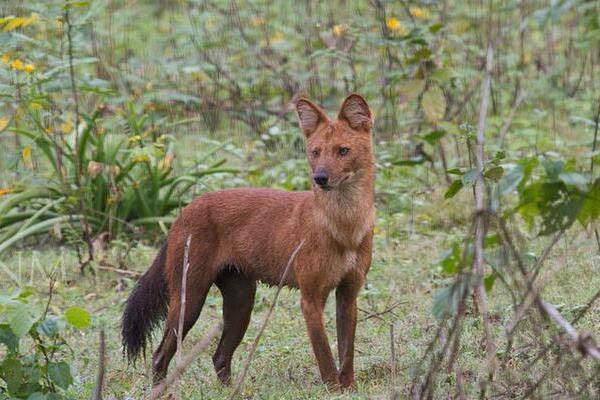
[(240, 381), (479, 192), (585, 343), (182, 301), (180, 367), (97, 394)]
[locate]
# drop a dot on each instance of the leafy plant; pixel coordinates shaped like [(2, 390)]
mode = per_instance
[(35, 363), (128, 181)]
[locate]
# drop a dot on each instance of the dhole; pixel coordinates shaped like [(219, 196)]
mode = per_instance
[(241, 236)]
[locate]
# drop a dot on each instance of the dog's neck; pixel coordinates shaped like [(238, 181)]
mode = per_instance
[(347, 214)]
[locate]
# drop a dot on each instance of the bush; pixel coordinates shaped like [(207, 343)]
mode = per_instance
[(41, 371)]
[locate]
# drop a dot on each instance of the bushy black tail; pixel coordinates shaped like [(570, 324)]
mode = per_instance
[(145, 308)]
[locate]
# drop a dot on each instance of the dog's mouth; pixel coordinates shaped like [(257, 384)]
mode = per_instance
[(335, 185)]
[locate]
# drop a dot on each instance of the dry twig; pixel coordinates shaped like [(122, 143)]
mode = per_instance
[(240, 381)]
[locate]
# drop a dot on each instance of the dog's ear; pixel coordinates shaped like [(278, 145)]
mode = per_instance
[(355, 111), (310, 116)]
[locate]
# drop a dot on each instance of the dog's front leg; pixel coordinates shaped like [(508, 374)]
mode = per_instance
[(346, 314), (313, 303)]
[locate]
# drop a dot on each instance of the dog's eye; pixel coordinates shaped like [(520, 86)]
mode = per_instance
[(343, 151), (316, 153)]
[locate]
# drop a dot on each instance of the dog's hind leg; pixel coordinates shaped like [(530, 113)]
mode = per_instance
[(196, 292), (238, 300)]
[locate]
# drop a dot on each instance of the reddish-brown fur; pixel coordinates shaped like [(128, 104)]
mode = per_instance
[(241, 236)]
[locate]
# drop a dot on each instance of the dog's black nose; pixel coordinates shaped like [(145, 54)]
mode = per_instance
[(321, 178)]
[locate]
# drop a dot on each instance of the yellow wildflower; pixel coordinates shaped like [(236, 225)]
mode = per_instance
[(420, 13), (5, 59), (140, 158), (4, 123), (29, 68), (396, 26), (277, 38), (339, 30), (135, 139), (34, 105), (17, 64), (5, 191), (27, 157), (30, 20), (66, 127)]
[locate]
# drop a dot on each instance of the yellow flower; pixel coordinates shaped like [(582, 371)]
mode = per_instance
[(339, 30), (5, 59), (34, 105), (27, 157), (419, 12), (140, 158), (5, 191), (396, 26), (17, 64), (4, 123), (29, 68), (135, 139), (66, 127), (277, 38)]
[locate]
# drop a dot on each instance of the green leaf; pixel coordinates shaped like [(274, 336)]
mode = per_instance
[(434, 28), (491, 241), (8, 337), (410, 90), (78, 317), (455, 186), (494, 173), (442, 74), (434, 136), (60, 374), (434, 104), (11, 371), (76, 4), (510, 181), (48, 327), (450, 261), (410, 162), (37, 396), (488, 282), (21, 317), (574, 179)]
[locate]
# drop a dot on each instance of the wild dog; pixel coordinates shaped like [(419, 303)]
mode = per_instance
[(241, 236)]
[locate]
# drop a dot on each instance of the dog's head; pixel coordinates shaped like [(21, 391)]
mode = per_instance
[(339, 151)]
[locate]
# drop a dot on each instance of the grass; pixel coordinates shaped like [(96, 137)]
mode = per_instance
[(403, 272)]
